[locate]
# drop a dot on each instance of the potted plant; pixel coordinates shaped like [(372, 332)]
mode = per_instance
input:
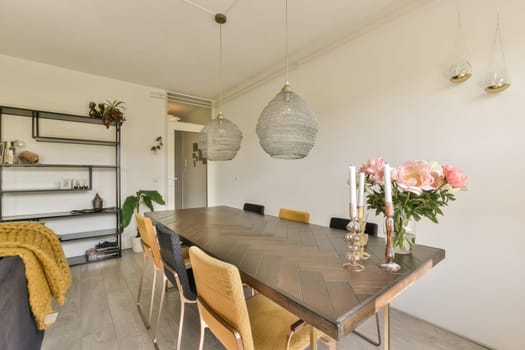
[(108, 111), (132, 205)]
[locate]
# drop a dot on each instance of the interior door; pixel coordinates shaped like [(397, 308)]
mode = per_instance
[(190, 172)]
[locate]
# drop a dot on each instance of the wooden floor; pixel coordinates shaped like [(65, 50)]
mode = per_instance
[(100, 313)]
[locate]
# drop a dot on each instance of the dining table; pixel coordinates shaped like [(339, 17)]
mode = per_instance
[(300, 266)]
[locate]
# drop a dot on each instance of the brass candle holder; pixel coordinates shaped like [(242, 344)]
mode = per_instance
[(364, 237), (353, 237), (389, 263)]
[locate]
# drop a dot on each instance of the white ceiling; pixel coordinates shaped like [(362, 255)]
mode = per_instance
[(173, 45)]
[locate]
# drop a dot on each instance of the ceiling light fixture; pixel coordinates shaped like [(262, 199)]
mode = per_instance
[(287, 127), (220, 139)]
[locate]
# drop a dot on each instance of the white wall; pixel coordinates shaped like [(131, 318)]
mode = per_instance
[(39, 86), (386, 94)]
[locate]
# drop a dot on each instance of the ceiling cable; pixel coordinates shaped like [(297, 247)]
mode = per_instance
[(220, 67), (200, 7), (286, 39), (230, 7)]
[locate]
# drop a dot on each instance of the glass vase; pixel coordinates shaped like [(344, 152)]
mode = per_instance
[(406, 244)]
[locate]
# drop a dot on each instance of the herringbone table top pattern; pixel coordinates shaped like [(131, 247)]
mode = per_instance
[(299, 266)]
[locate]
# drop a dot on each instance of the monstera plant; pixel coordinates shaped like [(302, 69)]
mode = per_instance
[(133, 203)]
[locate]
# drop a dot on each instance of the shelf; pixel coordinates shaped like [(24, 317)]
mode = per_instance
[(74, 141), (46, 190), (44, 128), (79, 260), (23, 112), (40, 165), (82, 235), (36, 217)]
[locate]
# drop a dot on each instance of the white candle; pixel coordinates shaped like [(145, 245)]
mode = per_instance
[(388, 184), (353, 201), (361, 194)]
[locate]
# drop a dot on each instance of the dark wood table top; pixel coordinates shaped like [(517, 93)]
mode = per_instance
[(299, 266)]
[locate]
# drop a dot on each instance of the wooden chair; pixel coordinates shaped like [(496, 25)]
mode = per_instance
[(294, 215), (239, 323), (150, 249), (255, 208), (371, 229), (178, 272)]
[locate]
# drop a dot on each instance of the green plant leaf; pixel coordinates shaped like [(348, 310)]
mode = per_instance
[(131, 204), (155, 196), (148, 203)]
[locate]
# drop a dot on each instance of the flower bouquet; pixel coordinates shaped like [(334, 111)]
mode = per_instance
[(419, 189)]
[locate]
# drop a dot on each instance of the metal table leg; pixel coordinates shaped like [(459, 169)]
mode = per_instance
[(387, 327)]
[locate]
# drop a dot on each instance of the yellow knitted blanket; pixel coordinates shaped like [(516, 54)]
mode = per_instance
[(46, 268)]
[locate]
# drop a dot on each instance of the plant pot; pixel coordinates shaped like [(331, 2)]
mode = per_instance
[(136, 245)]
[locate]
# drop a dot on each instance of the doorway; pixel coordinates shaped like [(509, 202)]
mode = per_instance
[(187, 183), (190, 171)]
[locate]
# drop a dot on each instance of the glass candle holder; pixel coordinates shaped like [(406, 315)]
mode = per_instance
[(352, 255)]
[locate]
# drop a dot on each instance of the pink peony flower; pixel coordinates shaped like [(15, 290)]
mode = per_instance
[(437, 174), (455, 177), (415, 177), (374, 169)]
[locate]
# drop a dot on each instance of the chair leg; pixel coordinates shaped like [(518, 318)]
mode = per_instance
[(201, 342), (376, 343), (152, 294), (181, 321), (160, 311), (141, 313), (331, 343)]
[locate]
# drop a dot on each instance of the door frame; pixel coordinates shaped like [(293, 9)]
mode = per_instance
[(170, 161)]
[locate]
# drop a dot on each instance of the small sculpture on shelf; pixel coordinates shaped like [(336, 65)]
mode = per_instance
[(109, 112), (28, 157), (10, 154), (97, 202)]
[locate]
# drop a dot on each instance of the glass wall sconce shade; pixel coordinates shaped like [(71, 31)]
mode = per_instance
[(498, 78), (223, 139), (287, 127), (460, 69)]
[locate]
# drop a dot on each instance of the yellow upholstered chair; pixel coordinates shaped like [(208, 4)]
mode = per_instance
[(178, 272), (239, 323), (150, 249), (295, 215)]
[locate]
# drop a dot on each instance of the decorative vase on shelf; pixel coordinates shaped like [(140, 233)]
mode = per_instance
[(405, 244)]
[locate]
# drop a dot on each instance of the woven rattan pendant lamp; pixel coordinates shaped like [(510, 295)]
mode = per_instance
[(287, 127), (220, 139)]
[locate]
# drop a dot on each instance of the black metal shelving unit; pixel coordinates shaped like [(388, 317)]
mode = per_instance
[(36, 116)]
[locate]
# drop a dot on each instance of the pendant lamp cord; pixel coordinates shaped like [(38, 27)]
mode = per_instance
[(497, 44), (220, 68), (286, 39), (459, 39)]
